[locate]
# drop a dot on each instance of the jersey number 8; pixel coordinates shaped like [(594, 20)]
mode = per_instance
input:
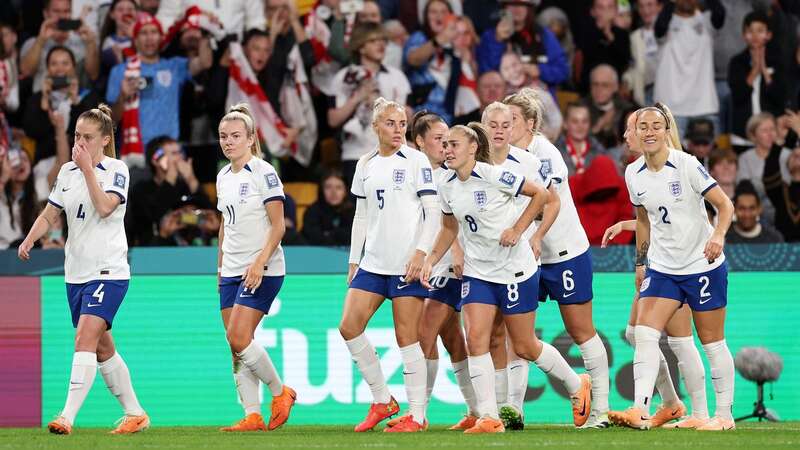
[(473, 226)]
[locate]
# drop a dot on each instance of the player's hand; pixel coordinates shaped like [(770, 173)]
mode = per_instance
[(351, 272), (610, 233), (81, 157), (414, 267), (425, 274), (639, 276), (24, 250), (536, 246), (510, 237), (714, 247), (253, 274)]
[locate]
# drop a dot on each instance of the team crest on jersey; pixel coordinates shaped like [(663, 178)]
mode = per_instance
[(703, 172), (244, 189), (480, 198), (645, 284), (119, 180), (547, 168), (508, 178), (427, 175), (399, 176), (272, 180), (464, 289), (164, 77), (675, 188)]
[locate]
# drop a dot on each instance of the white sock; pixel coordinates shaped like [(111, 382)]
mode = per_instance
[(415, 376), (630, 335), (501, 386), (645, 366), (257, 360), (118, 379), (481, 371), (664, 384), (366, 360), (461, 371), (432, 368), (722, 376), (518, 382), (595, 360), (694, 374), (552, 363), (84, 369), (247, 386)]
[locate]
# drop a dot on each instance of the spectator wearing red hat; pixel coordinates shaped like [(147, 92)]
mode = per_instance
[(147, 87), (236, 16), (59, 28)]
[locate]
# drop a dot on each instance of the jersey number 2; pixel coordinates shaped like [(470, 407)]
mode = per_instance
[(664, 214)]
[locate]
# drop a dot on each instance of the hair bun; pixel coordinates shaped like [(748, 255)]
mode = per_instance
[(105, 109), (243, 108)]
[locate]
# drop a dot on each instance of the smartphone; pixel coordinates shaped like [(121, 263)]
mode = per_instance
[(145, 82), (348, 7), (14, 158), (68, 24), (189, 218), (60, 82)]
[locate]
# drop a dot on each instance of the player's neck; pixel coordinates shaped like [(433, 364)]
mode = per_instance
[(238, 164), (656, 160), (501, 154), (525, 141), (387, 150), (465, 171), (98, 158)]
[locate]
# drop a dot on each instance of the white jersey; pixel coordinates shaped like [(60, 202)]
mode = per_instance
[(566, 239), (444, 268), (241, 197), (97, 248), (391, 187), (526, 164), (484, 206), (673, 198)]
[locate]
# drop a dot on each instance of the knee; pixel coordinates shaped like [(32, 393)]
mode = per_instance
[(349, 331), (85, 342), (237, 340), (709, 336), (477, 345), (581, 334), (529, 350), (105, 352)]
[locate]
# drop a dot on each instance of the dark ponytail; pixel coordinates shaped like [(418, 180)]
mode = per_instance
[(422, 122)]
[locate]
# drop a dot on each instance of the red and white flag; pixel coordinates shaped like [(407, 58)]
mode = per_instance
[(467, 94)]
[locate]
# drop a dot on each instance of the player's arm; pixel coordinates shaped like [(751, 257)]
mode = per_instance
[(221, 237), (642, 243), (549, 215), (724, 208), (358, 237), (614, 230), (539, 197), (444, 240), (254, 273), (46, 219), (104, 203)]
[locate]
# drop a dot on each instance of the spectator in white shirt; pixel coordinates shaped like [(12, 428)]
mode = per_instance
[(237, 16)]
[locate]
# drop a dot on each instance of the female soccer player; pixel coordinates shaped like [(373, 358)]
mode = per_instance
[(511, 371), (92, 190), (500, 272), (441, 311), (250, 264), (394, 226), (566, 260), (679, 327), (679, 260)]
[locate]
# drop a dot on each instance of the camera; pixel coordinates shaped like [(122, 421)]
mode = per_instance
[(143, 83), (60, 82), (348, 7), (68, 24)]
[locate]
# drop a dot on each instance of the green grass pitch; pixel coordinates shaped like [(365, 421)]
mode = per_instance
[(750, 435)]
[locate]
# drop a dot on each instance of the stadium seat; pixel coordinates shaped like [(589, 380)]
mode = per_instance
[(564, 98), (304, 194), (211, 191), (724, 141)]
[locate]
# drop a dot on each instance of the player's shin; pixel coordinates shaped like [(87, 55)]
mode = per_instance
[(118, 379)]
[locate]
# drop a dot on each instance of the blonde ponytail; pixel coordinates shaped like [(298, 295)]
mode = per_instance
[(241, 111), (102, 117)]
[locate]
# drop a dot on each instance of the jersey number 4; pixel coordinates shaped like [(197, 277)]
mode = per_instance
[(81, 212)]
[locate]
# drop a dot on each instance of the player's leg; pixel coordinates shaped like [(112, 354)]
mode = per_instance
[(434, 316), (455, 343), (118, 380), (479, 318), (498, 349), (690, 367), (407, 312)]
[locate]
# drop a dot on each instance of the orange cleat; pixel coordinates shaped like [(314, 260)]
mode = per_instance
[(718, 424), (281, 407), (689, 423), (377, 413), (60, 425), (396, 420), (487, 425), (251, 422), (632, 417), (582, 401), (666, 414), (132, 424), (407, 424), (466, 422)]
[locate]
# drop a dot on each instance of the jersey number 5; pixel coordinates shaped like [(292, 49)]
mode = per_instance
[(379, 194)]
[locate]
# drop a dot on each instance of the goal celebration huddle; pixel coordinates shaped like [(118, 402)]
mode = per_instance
[(470, 231)]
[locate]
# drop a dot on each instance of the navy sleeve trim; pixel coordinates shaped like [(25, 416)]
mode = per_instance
[(638, 206), (426, 192), (521, 184), (447, 213), (708, 188), (275, 199), (360, 196), (549, 183), (54, 204), (121, 197), (557, 179)]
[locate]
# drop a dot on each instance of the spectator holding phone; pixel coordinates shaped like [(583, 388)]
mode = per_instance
[(235, 16), (18, 205), (116, 36), (152, 199), (60, 29)]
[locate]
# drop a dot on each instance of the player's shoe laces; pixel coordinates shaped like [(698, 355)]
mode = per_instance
[(687, 423), (396, 421), (487, 425), (632, 417), (251, 422), (466, 422), (512, 419), (666, 414), (407, 424), (582, 401), (718, 424), (60, 425), (597, 421), (132, 424), (377, 413), (281, 407)]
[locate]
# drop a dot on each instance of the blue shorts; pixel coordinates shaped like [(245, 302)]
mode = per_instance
[(232, 291), (514, 298), (446, 290), (702, 292), (568, 282), (389, 286), (100, 298)]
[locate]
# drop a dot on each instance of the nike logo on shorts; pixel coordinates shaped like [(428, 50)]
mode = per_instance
[(511, 306), (706, 301), (567, 295), (91, 305), (402, 286)]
